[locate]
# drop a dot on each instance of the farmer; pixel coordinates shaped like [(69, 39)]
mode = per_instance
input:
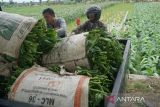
[(93, 14), (0, 8), (52, 22)]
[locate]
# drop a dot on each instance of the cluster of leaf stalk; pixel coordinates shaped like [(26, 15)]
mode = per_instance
[(38, 42), (105, 55)]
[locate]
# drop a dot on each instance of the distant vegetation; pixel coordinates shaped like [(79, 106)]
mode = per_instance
[(68, 11)]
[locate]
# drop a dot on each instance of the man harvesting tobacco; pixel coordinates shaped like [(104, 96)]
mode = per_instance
[(93, 14), (58, 24), (0, 8)]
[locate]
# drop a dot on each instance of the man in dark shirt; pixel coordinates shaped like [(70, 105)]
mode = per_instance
[(0, 8), (52, 22), (93, 14)]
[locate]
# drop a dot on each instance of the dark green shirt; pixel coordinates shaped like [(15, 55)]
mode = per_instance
[(0, 8), (88, 26)]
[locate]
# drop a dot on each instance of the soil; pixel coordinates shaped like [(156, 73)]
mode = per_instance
[(145, 89)]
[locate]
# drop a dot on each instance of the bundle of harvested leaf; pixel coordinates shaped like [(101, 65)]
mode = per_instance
[(105, 55), (38, 42)]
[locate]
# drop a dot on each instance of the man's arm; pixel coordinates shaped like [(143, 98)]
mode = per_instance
[(103, 26), (79, 29), (62, 30)]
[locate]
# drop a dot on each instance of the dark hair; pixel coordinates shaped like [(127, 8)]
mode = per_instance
[(49, 10)]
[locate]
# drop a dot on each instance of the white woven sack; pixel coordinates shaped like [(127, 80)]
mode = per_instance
[(70, 51), (39, 86), (13, 30)]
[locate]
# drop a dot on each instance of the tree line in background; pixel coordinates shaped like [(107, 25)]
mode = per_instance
[(49, 2)]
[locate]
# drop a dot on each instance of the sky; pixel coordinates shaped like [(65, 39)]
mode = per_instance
[(20, 1)]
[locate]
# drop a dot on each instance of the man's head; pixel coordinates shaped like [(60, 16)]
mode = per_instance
[(93, 13), (48, 15)]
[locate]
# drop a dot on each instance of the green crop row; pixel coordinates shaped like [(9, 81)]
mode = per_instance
[(143, 28)]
